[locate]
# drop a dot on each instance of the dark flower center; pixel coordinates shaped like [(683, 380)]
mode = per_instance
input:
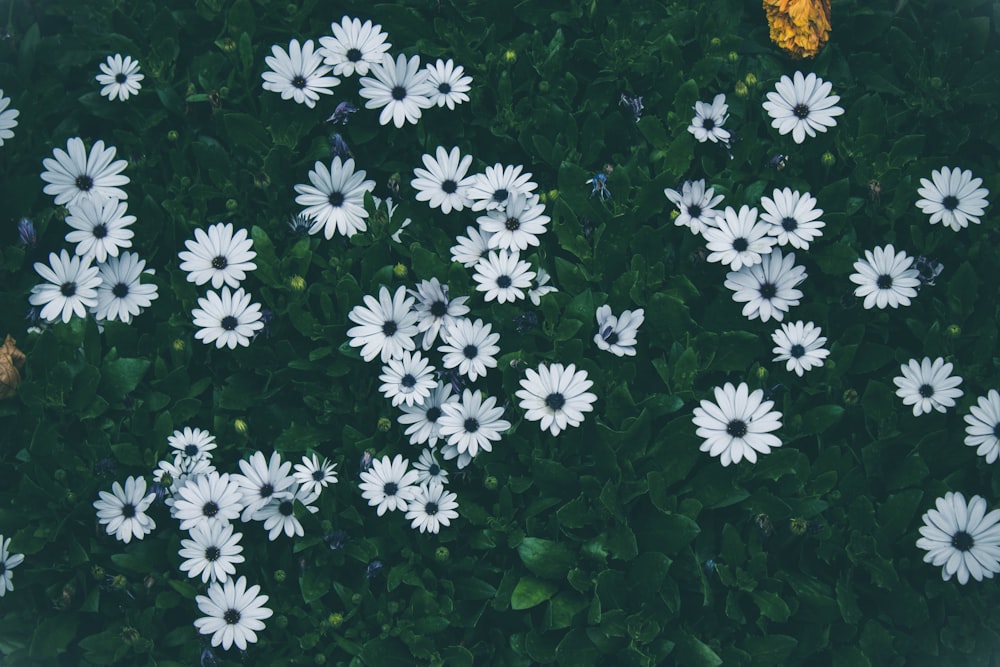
[(232, 617), (219, 262), (128, 510), (389, 328), (84, 182), (398, 93), (408, 381), (354, 54), (797, 351), (390, 489), (444, 88), (884, 281), (471, 425), (801, 111), (555, 401), (210, 509), (439, 308), (120, 77), (740, 244), (503, 282), (512, 224), (229, 322), (431, 508), (996, 430), (120, 290), (950, 202), (737, 428), (318, 475), (433, 414), (299, 81), (768, 290), (266, 491), (611, 338), (191, 450), (500, 195), (335, 198), (926, 390), (67, 289), (212, 554), (694, 210), (100, 231), (449, 186), (286, 508), (3, 568), (789, 224), (470, 351), (708, 123), (962, 541), (433, 470)]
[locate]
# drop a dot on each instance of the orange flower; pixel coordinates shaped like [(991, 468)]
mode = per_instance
[(799, 27), (11, 359)]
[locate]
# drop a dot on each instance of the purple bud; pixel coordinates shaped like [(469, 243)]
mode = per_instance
[(26, 232), (374, 569), (339, 147), (366, 461), (338, 539), (633, 104), (342, 113)]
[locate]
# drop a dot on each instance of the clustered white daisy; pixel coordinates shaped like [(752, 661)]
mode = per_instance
[(696, 205), (709, 119), (617, 334), (962, 538), (885, 278), (952, 197), (738, 425), (8, 118), (928, 385), (802, 105), (120, 77), (298, 73), (8, 561)]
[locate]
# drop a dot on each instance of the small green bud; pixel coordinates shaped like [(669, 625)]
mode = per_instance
[(232, 205), (733, 57), (553, 194), (850, 397), (280, 576), (798, 526), (178, 345), (297, 283), (281, 621), (741, 89), (71, 497), (828, 159), (356, 598), (129, 635), (954, 330), (510, 55), (319, 659), (543, 86), (441, 554), (751, 79), (335, 620), (228, 44), (761, 373), (715, 42), (119, 582), (384, 424), (400, 270), (491, 483), (173, 135), (240, 426), (97, 572), (60, 475)]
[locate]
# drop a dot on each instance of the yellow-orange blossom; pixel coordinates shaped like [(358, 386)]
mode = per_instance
[(799, 27)]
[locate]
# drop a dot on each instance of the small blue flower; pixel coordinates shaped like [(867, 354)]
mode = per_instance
[(26, 232), (339, 147), (366, 461), (338, 539), (208, 658), (600, 183), (709, 567), (374, 569), (342, 113), (633, 104), (928, 269), (299, 224)]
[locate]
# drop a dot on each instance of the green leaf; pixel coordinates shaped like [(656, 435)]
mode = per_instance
[(121, 376), (692, 652), (245, 131), (770, 650), (771, 605), (906, 149), (52, 636), (819, 419), (545, 558), (963, 291), (530, 592)]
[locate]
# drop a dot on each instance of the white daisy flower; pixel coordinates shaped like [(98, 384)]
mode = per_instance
[(424, 420), (768, 289), (738, 239), (928, 385), (262, 481), (503, 276), (408, 379), (709, 119), (354, 47), (983, 426), (298, 73), (448, 82), (336, 199), (120, 77), (802, 105), (557, 396), (220, 256), (540, 287), (75, 174), (212, 552), (794, 218), (473, 423), (492, 188), (174, 476), (123, 511), (121, 296), (8, 121), (517, 225), (233, 613), (437, 311), (738, 425), (954, 198), (228, 320), (444, 184), (431, 507), (800, 344), (278, 514), (192, 443), (313, 476), (884, 278), (961, 538), (471, 347), (100, 227), (8, 560), (399, 87), (70, 287), (208, 500), (429, 468), (617, 335), (388, 485), (472, 248), (386, 326), (696, 205)]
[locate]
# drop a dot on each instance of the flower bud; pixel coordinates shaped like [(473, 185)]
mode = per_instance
[(129, 635), (319, 659), (232, 205), (828, 159), (741, 89), (751, 79), (400, 270), (280, 576), (173, 135), (241, 426), (335, 620), (228, 44), (798, 526), (553, 194), (441, 554), (384, 424), (954, 330), (59, 474), (761, 373), (543, 86), (297, 283), (715, 42), (178, 345), (733, 57), (491, 483), (850, 397), (510, 55)]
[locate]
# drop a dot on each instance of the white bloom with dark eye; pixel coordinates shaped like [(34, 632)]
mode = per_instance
[(388, 485), (278, 514), (424, 421), (617, 335), (517, 225), (963, 539), (8, 560), (444, 184), (928, 385), (233, 613), (208, 500), (503, 276), (437, 311), (70, 287), (472, 248), (738, 425), (228, 319), (556, 395), (121, 296), (800, 344), (709, 119), (120, 77), (399, 87), (429, 468), (983, 426), (335, 201), (354, 47), (8, 121), (696, 205), (471, 347), (794, 218), (386, 326), (74, 174), (100, 227), (540, 287), (313, 476), (473, 423), (298, 73), (448, 82), (192, 443), (212, 552), (738, 239), (768, 289), (262, 481), (952, 197), (492, 188), (884, 278), (408, 379), (220, 256), (802, 105), (431, 507), (123, 511)]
